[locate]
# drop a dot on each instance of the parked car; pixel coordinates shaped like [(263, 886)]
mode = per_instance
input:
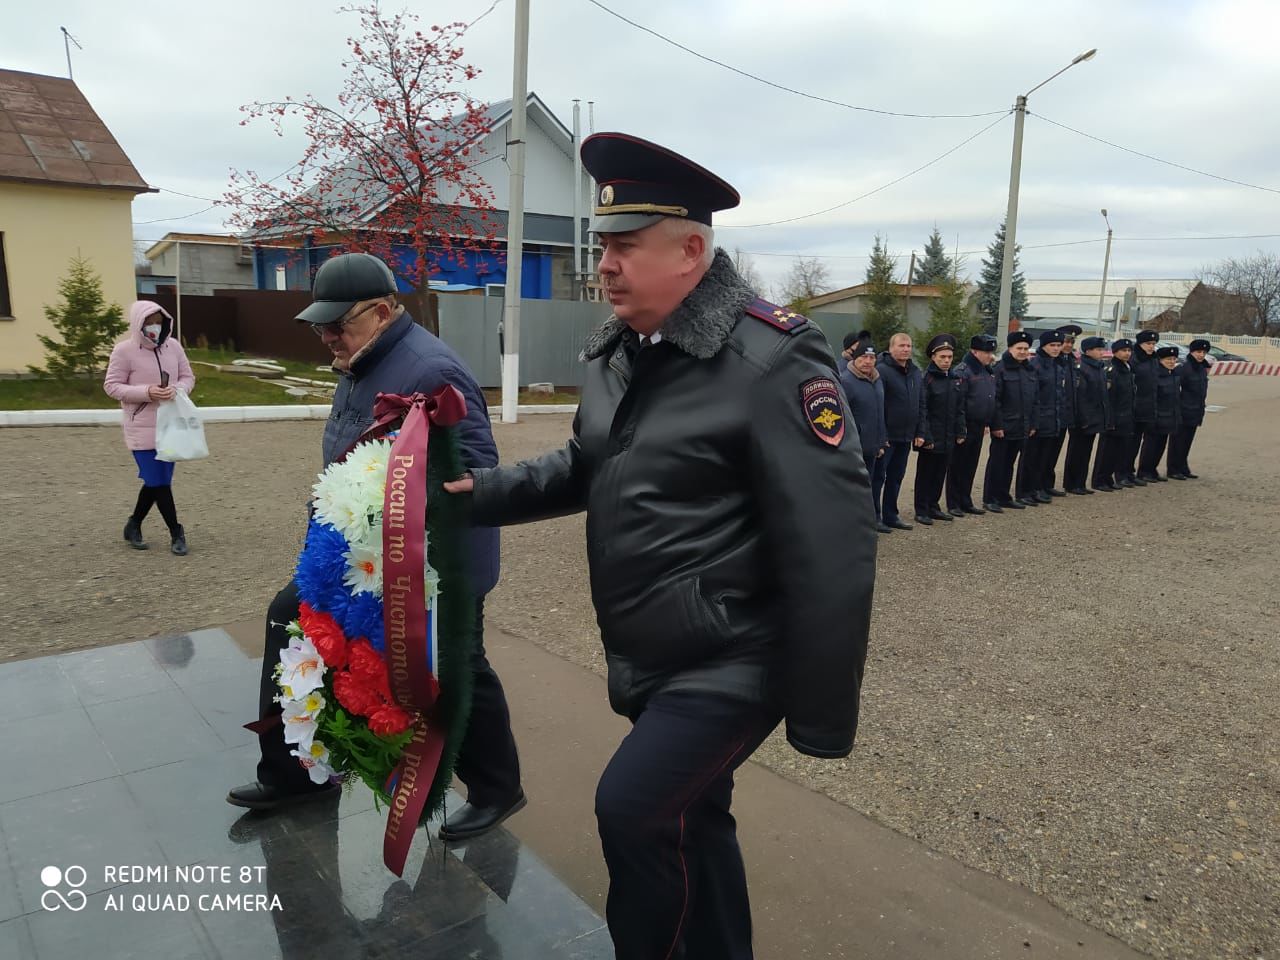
[(1215, 353)]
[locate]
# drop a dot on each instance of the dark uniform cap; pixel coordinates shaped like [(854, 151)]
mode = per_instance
[(983, 341), (943, 341), (1124, 343), (1053, 336), (342, 282), (1071, 329), (850, 339), (1018, 336), (1199, 345), (1162, 352), (638, 183), (1089, 343), (1147, 336)]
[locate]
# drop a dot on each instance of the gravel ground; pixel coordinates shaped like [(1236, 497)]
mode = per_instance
[(1081, 698)]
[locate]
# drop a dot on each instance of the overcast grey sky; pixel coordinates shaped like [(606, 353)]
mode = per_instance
[(1192, 82)]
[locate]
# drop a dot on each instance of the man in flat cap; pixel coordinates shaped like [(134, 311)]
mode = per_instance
[(1144, 404), (377, 347), (730, 541), (1193, 380), (941, 427), (979, 408)]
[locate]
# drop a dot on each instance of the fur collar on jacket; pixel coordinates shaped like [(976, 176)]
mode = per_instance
[(703, 321), (871, 377)]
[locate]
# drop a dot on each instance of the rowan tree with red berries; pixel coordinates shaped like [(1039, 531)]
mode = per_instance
[(390, 164)]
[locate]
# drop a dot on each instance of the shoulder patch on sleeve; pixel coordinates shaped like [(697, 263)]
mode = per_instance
[(820, 402), (788, 321)]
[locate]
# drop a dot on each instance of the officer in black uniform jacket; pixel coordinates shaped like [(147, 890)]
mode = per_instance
[(1144, 404), (1013, 422), (979, 408), (1091, 417), (1113, 446), (1035, 469), (730, 542), (1168, 415), (1193, 378), (1068, 363), (941, 428)]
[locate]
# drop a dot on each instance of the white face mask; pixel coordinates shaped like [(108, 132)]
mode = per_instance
[(152, 331)]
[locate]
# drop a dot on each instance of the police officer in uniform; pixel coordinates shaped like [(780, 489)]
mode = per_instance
[(979, 408), (1193, 381), (1091, 417), (1168, 411), (1144, 405), (1113, 446), (1012, 423), (1035, 469), (730, 540), (940, 429)]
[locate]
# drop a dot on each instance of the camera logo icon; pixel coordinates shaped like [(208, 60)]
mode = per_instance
[(53, 898)]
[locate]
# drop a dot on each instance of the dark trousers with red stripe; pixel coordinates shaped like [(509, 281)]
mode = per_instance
[(677, 885)]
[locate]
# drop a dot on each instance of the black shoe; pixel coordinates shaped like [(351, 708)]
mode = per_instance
[(1055, 492), (1177, 476), (991, 508), (1105, 488), (977, 511), (133, 534), (941, 515), (1190, 476), (1158, 479), (1125, 484), (1029, 501), (178, 541), (1137, 482), (1077, 491), (924, 519), (883, 527), (958, 512), (261, 796), (1043, 497), (897, 523), (472, 821), (1012, 505)]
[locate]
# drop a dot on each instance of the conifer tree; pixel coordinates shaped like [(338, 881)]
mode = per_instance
[(989, 283), (935, 266), (88, 325), (883, 316)]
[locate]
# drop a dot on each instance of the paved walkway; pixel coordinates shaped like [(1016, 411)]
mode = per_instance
[(118, 759)]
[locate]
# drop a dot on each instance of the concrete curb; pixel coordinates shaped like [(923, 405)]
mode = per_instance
[(318, 411)]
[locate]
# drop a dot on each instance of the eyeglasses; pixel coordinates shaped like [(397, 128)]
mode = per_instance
[(336, 327)]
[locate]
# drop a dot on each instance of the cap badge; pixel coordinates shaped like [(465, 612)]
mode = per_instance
[(606, 195)]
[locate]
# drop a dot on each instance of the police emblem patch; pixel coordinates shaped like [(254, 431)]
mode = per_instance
[(820, 401)]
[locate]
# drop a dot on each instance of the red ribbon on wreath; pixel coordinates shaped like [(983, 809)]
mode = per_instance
[(404, 603)]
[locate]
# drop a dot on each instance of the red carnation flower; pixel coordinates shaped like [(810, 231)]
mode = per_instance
[(389, 720), (356, 695), (366, 663), (325, 635)]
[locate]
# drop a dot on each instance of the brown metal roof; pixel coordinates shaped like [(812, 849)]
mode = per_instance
[(50, 134)]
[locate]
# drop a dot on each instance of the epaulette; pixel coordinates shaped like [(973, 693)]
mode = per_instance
[(788, 321)]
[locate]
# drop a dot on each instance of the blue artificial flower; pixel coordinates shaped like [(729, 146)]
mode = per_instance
[(362, 617), (320, 569)]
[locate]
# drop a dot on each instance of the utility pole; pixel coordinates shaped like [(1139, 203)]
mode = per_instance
[(578, 276), (67, 40), (1011, 214), (177, 296), (591, 192), (515, 218), (906, 301), (1106, 264)]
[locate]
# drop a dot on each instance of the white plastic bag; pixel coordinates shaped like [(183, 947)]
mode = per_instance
[(179, 432)]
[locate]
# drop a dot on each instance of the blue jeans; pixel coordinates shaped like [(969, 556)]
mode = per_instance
[(890, 478)]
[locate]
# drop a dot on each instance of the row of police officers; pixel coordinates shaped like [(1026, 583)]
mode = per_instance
[(1121, 413)]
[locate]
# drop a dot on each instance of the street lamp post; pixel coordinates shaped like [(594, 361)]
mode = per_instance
[(1011, 216), (1106, 264)]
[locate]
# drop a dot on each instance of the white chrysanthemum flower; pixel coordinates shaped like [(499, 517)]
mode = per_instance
[(364, 568)]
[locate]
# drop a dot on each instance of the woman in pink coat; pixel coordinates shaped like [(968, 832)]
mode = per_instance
[(147, 367)]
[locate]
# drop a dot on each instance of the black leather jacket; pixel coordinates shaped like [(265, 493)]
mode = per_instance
[(731, 547)]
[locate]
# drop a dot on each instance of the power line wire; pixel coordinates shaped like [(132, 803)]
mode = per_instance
[(1168, 163), (779, 86), (1029, 246), (883, 186)]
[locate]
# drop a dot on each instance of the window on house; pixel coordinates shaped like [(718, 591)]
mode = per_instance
[(6, 308)]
